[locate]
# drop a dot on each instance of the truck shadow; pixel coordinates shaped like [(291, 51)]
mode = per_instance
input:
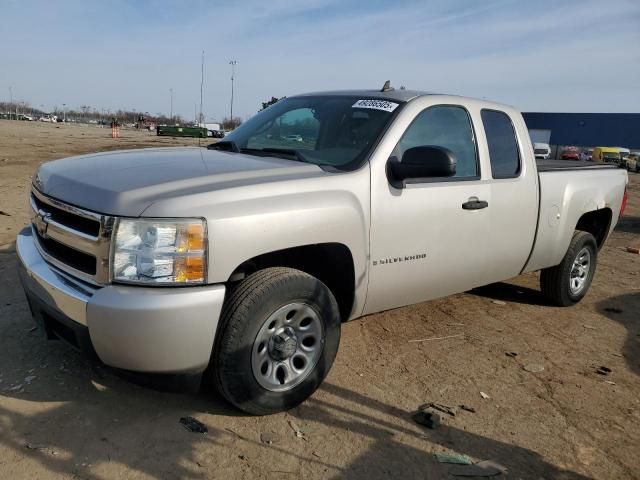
[(629, 224), (623, 309), (508, 292)]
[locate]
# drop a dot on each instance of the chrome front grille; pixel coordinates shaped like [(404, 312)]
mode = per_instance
[(76, 241)]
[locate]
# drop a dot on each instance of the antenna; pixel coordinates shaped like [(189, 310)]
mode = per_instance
[(387, 87)]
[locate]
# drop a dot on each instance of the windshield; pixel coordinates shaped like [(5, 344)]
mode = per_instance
[(337, 131), (540, 150), (610, 155)]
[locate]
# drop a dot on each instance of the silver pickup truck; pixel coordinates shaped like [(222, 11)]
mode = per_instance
[(240, 261)]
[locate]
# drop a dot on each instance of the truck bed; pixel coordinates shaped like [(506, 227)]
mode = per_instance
[(562, 165)]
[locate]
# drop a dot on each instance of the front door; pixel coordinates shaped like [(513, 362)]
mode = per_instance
[(429, 239)]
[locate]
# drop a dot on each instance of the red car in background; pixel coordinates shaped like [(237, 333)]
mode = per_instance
[(570, 155)]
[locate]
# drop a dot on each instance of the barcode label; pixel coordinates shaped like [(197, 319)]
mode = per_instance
[(376, 105)]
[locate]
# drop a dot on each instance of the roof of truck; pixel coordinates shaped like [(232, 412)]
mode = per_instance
[(397, 95)]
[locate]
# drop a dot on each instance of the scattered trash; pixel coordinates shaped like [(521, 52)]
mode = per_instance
[(15, 387), (613, 310), (455, 324), (609, 382), (467, 408), (30, 379), (457, 458), (511, 354), (36, 446), (269, 438), (498, 302), (242, 457), (193, 425), (33, 329), (5, 213), (427, 417), (437, 338), (603, 370), (299, 433), (590, 327), (633, 250), (615, 354), (486, 468), (484, 395), (316, 454), (534, 368), (440, 407)]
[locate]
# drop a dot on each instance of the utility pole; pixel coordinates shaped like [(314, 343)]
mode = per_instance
[(233, 64), (64, 109), (171, 114)]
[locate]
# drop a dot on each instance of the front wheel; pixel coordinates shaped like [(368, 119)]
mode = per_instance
[(278, 337), (567, 283)]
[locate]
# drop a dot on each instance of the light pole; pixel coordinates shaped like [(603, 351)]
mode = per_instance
[(64, 109), (171, 114), (233, 64)]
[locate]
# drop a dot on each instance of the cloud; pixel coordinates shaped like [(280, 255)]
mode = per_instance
[(540, 55)]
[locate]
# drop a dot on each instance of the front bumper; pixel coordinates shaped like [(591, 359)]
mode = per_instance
[(142, 329)]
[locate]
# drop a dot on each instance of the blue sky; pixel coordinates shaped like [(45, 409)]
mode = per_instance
[(581, 56)]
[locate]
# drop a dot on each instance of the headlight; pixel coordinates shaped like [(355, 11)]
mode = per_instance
[(159, 251)]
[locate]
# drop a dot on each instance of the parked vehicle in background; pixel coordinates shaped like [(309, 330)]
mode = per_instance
[(26, 118), (570, 154), (633, 162), (241, 261), (49, 118), (542, 151), (606, 155), (177, 131), (216, 133), (293, 138), (589, 152)]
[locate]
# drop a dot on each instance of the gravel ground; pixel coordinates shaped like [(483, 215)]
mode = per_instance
[(64, 417)]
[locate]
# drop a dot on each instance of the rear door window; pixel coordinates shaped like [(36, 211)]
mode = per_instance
[(503, 146)]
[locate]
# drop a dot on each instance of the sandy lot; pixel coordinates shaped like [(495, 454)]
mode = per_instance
[(62, 417)]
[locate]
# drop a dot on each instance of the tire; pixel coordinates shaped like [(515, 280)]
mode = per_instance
[(246, 340), (566, 284)]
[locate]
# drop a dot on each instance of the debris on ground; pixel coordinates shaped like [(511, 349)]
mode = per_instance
[(427, 417), (485, 396), (467, 408), (590, 327), (613, 310), (511, 354), (486, 468), (437, 338), (633, 250), (534, 368), (609, 382), (15, 388), (457, 458), (269, 438), (316, 454), (30, 379), (193, 425), (299, 433), (5, 213), (440, 407), (602, 370), (36, 446), (498, 302)]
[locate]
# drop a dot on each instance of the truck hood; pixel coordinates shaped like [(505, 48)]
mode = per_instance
[(127, 182)]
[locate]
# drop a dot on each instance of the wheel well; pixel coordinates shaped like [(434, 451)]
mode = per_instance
[(596, 223), (331, 263)]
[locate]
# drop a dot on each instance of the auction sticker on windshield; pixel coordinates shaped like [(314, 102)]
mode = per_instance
[(376, 105)]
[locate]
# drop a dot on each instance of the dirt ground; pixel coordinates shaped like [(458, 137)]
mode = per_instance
[(62, 417)]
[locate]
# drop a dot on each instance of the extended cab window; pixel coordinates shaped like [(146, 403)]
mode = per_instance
[(444, 126), (503, 147)]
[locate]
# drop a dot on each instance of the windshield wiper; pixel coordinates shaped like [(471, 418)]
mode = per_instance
[(225, 145), (287, 151)]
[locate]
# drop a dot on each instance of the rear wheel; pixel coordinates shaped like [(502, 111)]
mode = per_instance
[(567, 283), (278, 337)]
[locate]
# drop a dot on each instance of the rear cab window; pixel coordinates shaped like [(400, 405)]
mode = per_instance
[(504, 153)]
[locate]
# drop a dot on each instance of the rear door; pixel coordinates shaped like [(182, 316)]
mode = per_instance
[(513, 213)]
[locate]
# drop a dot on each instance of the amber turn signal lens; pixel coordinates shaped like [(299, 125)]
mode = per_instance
[(195, 236)]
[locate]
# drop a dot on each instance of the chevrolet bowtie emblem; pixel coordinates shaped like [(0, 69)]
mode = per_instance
[(42, 222)]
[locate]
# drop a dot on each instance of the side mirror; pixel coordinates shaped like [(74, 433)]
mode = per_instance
[(419, 164)]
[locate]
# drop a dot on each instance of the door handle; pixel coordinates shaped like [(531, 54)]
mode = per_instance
[(474, 204)]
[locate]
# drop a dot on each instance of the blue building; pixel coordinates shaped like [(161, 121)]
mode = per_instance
[(585, 129)]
